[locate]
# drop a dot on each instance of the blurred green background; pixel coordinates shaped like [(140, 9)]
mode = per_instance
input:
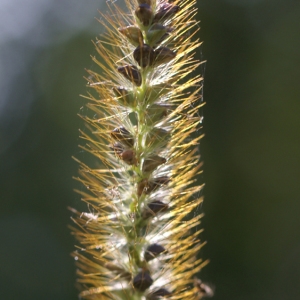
[(251, 151)]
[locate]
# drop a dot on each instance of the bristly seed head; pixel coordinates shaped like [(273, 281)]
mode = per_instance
[(139, 238)]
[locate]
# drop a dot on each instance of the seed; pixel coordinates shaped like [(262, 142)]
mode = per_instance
[(153, 251), (117, 148), (163, 55), (128, 156), (124, 96), (122, 135), (157, 137), (157, 112), (157, 183), (143, 55), (152, 162), (157, 206), (142, 187), (131, 73), (154, 208), (166, 11), (118, 270), (133, 34), (142, 281), (153, 185), (155, 33), (144, 14), (165, 36)]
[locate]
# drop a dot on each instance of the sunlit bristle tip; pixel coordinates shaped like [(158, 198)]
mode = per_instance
[(138, 238)]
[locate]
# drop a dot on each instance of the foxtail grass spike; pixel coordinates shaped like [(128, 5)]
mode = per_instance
[(139, 236)]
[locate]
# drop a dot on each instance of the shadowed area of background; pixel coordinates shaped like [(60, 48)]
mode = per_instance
[(250, 152)]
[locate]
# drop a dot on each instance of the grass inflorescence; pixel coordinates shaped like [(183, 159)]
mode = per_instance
[(139, 238)]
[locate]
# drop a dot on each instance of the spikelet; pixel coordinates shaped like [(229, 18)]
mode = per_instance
[(139, 238)]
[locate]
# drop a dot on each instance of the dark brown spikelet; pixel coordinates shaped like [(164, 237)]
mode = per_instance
[(144, 55), (131, 73), (144, 13), (139, 236), (142, 281)]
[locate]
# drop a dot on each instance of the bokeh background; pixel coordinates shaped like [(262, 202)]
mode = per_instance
[(251, 151)]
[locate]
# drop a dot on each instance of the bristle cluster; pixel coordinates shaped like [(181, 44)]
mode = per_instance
[(139, 239)]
